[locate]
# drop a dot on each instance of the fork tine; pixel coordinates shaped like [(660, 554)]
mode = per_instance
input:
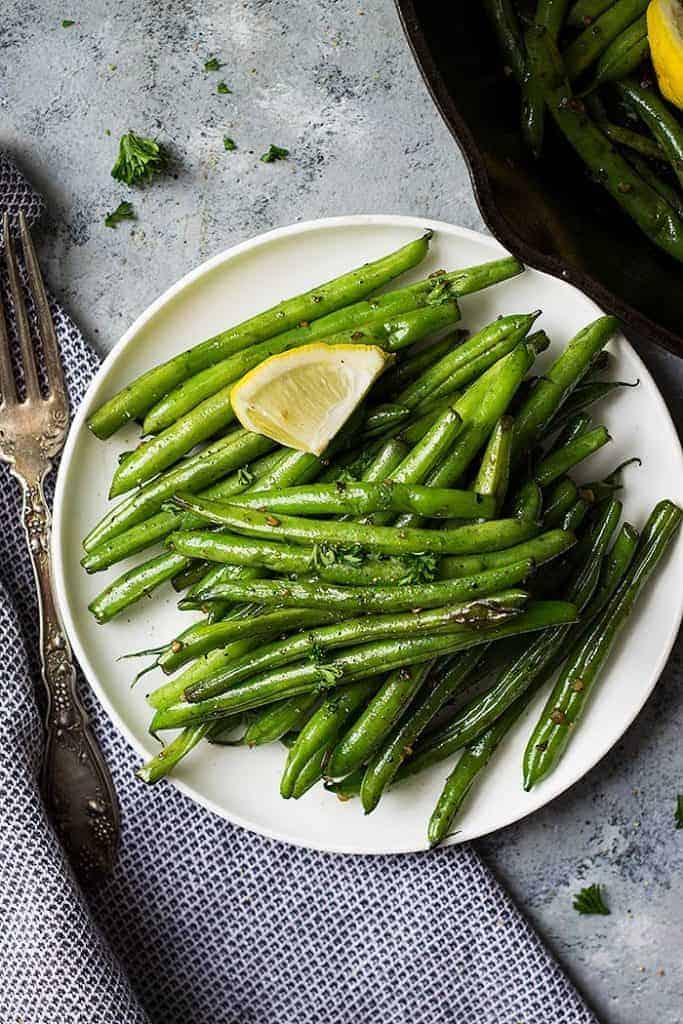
[(23, 329), (53, 362), (8, 389)]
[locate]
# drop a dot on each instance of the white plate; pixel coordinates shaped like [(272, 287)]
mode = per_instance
[(242, 785)]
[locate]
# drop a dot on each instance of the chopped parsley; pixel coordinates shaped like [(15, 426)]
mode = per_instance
[(67, 23), (245, 477), (139, 160), (229, 144), (124, 211), (679, 811), (274, 153), (318, 652), (590, 901), (212, 64), (223, 89), (325, 555), (420, 568), (328, 675)]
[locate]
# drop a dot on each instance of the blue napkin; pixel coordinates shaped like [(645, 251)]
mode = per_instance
[(205, 923)]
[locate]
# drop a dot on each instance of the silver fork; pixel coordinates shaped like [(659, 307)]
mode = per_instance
[(76, 784)]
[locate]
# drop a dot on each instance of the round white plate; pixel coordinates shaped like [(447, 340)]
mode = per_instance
[(242, 785)]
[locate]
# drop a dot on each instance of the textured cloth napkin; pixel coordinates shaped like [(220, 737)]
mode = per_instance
[(205, 923)]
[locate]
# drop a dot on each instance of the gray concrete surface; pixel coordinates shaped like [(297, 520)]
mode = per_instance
[(334, 82)]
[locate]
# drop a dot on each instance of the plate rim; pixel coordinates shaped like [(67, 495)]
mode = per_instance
[(78, 423)]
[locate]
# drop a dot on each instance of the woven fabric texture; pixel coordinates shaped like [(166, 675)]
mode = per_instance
[(205, 923)]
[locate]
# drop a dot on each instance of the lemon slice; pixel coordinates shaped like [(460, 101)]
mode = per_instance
[(665, 33), (301, 398)]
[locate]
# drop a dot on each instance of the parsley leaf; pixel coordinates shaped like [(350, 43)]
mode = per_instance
[(139, 160), (325, 555), (223, 89), (67, 23), (590, 901), (212, 64), (420, 568), (318, 652), (245, 476), (679, 811), (274, 153), (328, 676), (124, 211), (229, 144)]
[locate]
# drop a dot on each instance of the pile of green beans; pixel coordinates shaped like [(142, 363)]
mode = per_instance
[(349, 599), (586, 65)]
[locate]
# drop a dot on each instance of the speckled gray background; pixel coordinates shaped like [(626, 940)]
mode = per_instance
[(334, 82)]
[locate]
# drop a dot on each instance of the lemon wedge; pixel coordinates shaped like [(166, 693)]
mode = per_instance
[(665, 33), (302, 398)]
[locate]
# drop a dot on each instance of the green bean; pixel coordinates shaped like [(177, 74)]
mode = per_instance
[(672, 195), (194, 474), (311, 773), (275, 720), (659, 118), (559, 501), (473, 760), (492, 343), (136, 398), (595, 39), (598, 490), (614, 566), (504, 21), (215, 412), (323, 728), (480, 713), (527, 502), (651, 213), (386, 461), (388, 759), (316, 643), (550, 15), (173, 689), (473, 538), (362, 498), (571, 692), (189, 576), (385, 418), (365, 660), (574, 428), (540, 549), (584, 12), (558, 382), (623, 55), (377, 720), (168, 757), (636, 141), (493, 475), (559, 462), (575, 515), (202, 637)]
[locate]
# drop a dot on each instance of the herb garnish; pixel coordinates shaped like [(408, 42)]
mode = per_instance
[(124, 211), (245, 476), (139, 159), (212, 64), (67, 23), (274, 153), (328, 675), (679, 811), (223, 89), (590, 901), (229, 144), (325, 555), (420, 568)]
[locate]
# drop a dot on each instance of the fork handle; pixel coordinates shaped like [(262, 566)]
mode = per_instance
[(77, 788)]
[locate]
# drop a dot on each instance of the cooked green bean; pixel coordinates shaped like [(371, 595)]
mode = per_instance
[(575, 515), (577, 681), (623, 55), (346, 789), (540, 549), (673, 196), (527, 503), (275, 720), (659, 118), (356, 663), (388, 759), (493, 474), (504, 21), (550, 15), (559, 501), (168, 757), (559, 381), (136, 398), (582, 398), (311, 772), (377, 720), (636, 141), (563, 459), (585, 12), (323, 728), (410, 367), (315, 644), (595, 39)]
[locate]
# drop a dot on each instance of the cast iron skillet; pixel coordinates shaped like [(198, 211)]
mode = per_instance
[(548, 213)]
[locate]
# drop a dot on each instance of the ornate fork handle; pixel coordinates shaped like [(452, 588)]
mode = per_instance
[(76, 784)]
